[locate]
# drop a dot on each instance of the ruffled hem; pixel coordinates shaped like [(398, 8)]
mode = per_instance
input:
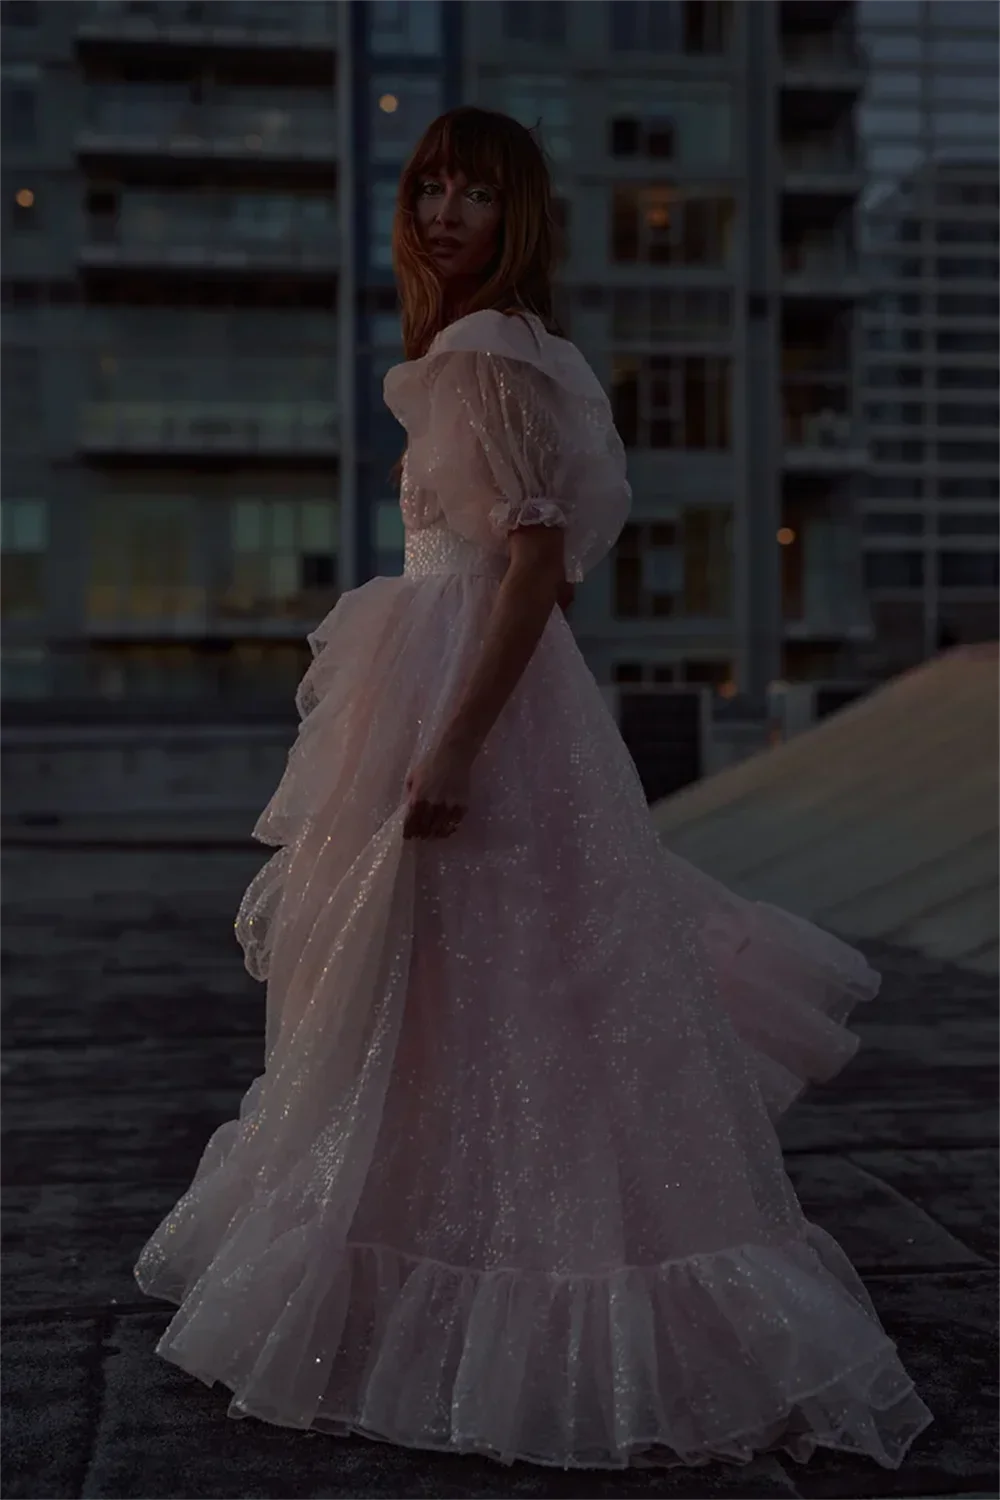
[(715, 1357)]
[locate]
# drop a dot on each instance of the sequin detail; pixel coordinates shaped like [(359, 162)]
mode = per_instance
[(436, 550), (509, 1181)]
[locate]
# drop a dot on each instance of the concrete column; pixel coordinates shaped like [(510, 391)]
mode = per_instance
[(758, 586)]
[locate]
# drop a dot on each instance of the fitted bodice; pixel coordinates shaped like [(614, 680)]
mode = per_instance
[(436, 549)]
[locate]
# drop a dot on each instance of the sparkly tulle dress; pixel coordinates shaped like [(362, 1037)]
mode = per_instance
[(509, 1181)]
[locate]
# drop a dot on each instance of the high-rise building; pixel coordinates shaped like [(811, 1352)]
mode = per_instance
[(199, 310), (705, 161), (170, 375), (929, 220)]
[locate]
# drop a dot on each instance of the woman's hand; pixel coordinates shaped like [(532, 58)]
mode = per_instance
[(438, 792)]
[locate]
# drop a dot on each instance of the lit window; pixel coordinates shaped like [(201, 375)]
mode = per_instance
[(283, 562), (664, 225)]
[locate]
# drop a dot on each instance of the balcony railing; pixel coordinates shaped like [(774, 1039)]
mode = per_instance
[(261, 23), (823, 440), (212, 406), (816, 159), (180, 128), (178, 231), (819, 262), (823, 54)]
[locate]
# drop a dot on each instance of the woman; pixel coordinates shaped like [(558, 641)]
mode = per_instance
[(509, 1182)]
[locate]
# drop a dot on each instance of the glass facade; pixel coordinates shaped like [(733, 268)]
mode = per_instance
[(929, 226)]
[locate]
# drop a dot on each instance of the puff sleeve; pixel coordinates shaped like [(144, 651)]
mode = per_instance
[(505, 438)]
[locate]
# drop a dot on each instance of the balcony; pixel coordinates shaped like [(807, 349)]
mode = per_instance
[(132, 124), (199, 407), (822, 591), (230, 233), (823, 270), (816, 62), (823, 441), (821, 170), (279, 24)]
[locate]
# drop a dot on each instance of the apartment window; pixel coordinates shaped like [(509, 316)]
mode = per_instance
[(691, 26), (894, 570), (967, 305), (676, 568), (407, 28), (889, 451), (895, 413), (542, 101), (966, 341), (893, 377), (672, 401), (692, 128), (968, 453), (672, 314), (966, 15), (19, 122), (966, 232), (382, 211), (969, 523), (969, 487), (895, 340), (283, 562), (895, 487), (662, 225), (401, 109), (542, 22), (969, 570), (967, 414), (145, 561), (892, 12), (893, 523), (19, 13), (955, 378), (390, 538), (966, 268), (23, 547), (22, 423)]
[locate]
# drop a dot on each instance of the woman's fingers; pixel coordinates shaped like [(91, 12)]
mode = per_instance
[(432, 820)]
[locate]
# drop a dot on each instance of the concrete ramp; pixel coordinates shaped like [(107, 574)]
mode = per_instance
[(879, 823)]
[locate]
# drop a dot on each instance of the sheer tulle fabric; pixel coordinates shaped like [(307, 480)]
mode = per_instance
[(508, 426), (509, 1181)]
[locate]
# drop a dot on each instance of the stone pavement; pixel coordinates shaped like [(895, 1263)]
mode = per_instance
[(131, 1031)]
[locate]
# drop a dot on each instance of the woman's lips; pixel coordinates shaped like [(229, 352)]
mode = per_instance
[(445, 247)]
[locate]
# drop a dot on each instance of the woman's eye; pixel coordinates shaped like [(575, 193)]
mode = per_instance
[(426, 188), (481, 195)]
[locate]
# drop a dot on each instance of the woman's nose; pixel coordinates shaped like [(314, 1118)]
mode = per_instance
[(451, 203)]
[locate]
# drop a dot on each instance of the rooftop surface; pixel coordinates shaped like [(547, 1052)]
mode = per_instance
[(131, 1031), (878, 823)]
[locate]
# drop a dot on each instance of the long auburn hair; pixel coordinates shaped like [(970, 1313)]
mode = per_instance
[(486, 147)]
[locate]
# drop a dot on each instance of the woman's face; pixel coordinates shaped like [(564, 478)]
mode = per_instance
[(459, 223)]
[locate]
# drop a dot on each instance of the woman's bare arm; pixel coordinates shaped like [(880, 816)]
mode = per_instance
[(524, 601)]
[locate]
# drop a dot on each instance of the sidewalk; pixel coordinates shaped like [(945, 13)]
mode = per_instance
[(131, 1031)]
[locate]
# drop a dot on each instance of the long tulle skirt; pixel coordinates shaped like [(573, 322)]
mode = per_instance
[(509, 1182)]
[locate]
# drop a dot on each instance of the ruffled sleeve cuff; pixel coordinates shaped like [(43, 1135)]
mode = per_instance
[(507, 515)]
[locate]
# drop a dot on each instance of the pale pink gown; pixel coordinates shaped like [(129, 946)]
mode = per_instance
[(509, 1182)]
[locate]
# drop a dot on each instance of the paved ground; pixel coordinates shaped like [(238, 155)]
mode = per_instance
[(131, 1031)]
